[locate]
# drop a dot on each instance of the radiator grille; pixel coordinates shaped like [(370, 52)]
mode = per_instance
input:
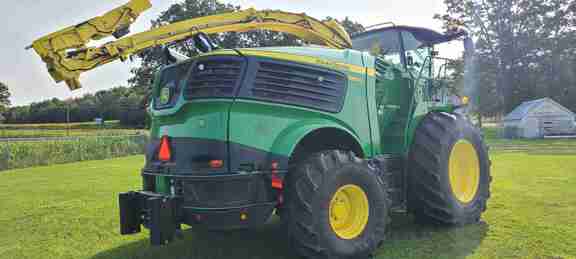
[(267, 80), (301, 85), (215, 77)]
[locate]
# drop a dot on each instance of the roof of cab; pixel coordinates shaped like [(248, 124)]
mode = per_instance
[(427, 36)]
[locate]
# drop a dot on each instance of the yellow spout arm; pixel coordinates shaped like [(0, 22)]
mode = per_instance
[(67, 58), (53, 48)]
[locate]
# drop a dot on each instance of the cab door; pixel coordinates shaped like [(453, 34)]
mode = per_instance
[(418, 65), (403, 86), (393, 92)]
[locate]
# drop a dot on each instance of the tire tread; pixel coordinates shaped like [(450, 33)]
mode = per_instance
[(427, 199)]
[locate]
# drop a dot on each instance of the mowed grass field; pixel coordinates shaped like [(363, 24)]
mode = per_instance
[(70, 211)]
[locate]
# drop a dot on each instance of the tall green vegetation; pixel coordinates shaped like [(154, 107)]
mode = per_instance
[(29, 154), (525, 50)]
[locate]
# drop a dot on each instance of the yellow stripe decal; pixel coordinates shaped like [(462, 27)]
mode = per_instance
[(311, 60), (371, 71)]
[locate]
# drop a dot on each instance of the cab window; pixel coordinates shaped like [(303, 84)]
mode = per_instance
[(417, 55), (385, 44)]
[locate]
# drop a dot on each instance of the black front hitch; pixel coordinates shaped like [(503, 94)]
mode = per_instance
[(159, 213), (130, 213), (163, 219)]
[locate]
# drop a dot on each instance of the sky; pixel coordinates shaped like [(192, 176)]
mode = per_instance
[(23, 21)]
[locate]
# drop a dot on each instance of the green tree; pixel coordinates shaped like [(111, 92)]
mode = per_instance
[(152, 59), (4, 97), (525, 49), (108, 102), (352, 27)]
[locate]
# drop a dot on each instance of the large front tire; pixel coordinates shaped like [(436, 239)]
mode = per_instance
[(336, 207), (448, 171)]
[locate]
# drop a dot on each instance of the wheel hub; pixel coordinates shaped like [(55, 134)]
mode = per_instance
[(349, 210), (464, 171)]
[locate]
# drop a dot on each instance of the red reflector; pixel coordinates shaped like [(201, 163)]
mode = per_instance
[(164, 154), (216, 163), (277, 183)]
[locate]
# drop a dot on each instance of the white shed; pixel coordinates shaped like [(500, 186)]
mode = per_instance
[(539, 118)]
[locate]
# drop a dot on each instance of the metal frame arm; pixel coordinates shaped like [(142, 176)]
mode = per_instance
[(67, 60), (53, 48)]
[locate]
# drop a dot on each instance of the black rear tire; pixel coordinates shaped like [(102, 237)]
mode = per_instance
[(309, 191), (430, 194)]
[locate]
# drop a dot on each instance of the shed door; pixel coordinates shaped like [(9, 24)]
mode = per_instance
[(531, 128)]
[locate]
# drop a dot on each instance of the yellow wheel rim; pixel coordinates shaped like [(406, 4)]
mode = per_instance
[(349, 211), (464, 171)]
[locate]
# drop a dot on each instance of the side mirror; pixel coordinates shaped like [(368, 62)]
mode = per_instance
[(168, 57), (171, 57), (469, 47), (203, 43)]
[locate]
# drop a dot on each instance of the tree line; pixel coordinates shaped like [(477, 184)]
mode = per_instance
[(525, 50), (119, 103)]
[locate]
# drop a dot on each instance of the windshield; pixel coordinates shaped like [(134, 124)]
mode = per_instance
[(385, 44)]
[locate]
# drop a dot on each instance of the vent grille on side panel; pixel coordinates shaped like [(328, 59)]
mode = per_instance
[(301, 85)]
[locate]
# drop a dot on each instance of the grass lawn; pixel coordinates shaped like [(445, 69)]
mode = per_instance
[(70, 211), (529, 146)]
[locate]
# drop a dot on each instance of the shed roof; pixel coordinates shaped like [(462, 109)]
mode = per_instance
[(524, 109)]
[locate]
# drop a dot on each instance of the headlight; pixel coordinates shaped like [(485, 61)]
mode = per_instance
[(164, 96)]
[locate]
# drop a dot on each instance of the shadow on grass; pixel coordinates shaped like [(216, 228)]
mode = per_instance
[(404, 240), (266, 242), (535, 152)]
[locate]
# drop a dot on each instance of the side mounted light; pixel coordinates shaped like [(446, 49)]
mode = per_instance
[(465, 100)]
